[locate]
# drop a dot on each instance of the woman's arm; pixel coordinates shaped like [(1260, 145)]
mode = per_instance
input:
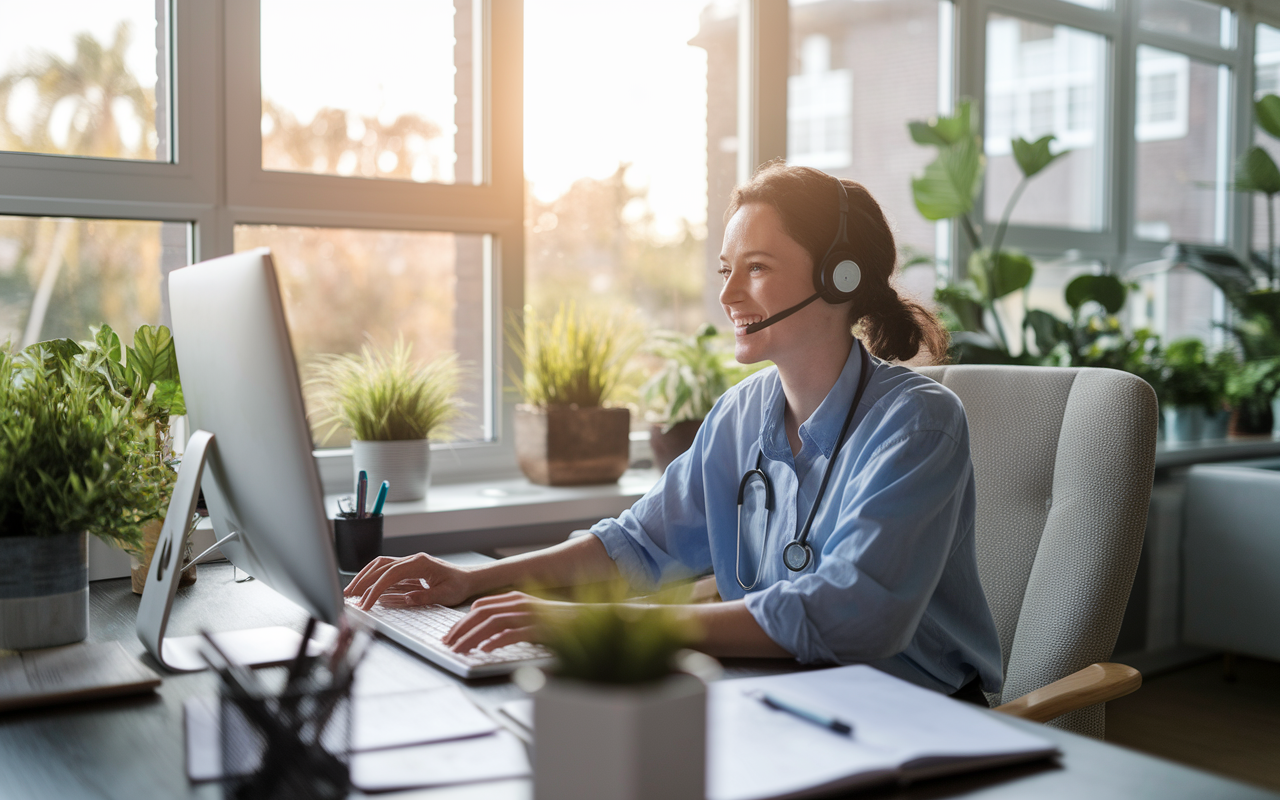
[(399, 581), (725, 629)]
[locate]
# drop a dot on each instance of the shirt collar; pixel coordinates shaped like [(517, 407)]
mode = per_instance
[(823, 427)]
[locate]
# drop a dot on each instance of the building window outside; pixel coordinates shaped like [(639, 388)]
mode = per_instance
[(1045, 80), (1163, 95), (819, 109)]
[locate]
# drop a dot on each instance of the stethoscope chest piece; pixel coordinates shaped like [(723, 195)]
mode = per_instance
[(796, 556)]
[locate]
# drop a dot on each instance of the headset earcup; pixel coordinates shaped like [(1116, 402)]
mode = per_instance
[(838, 278)]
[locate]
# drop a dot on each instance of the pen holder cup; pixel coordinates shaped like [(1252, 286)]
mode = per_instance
[(357, 541), (293, 745)]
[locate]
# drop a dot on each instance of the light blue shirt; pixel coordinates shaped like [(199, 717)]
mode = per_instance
[(894, 577)]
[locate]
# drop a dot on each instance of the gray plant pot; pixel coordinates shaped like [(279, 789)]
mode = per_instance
[(405, 464), (1275, 416), (44, 590), (1215, 425), (1183, 423)]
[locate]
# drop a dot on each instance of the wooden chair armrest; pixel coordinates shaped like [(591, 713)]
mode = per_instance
[(1096, 683)]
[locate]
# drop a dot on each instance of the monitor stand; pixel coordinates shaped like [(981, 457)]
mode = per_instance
[(253, 647)]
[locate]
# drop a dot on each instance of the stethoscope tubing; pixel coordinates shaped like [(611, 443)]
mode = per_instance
[(802, 541)]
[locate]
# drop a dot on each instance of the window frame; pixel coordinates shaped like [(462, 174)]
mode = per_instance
[(215, 182)]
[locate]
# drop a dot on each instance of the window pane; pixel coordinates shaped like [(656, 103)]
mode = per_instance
[(58, 276), (624, 150), (1182, 132), (344, 288), (844, 120), (1043, 80), (372, 89), (80, 78), (1199, 21), (1266, 81)]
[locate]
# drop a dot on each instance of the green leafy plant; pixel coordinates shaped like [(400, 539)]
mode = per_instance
[(384, 395), (576, 357), (1189, 378), (71, 457), (948, 190), (1252, 386), (611, 641), (698, 369)]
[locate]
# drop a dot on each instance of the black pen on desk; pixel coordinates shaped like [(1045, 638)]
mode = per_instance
[(816, 717)]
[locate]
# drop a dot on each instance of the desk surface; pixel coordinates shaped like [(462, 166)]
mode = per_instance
[(132, 748)]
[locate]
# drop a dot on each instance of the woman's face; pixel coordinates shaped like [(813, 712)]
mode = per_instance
[(765, 271)]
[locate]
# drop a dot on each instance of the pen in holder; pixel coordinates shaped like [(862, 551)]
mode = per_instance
[(357, 540), (293, 743)]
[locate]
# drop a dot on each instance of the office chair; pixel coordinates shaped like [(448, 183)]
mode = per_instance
[(1063, 465)]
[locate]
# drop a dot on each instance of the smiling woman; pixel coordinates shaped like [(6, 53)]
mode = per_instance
[(883, 568)]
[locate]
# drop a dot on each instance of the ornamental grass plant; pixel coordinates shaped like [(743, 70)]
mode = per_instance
[(577, 357), (384, 395)]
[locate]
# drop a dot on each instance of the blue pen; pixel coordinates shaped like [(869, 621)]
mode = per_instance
[(362, 493), (817, 718), (382, 498)]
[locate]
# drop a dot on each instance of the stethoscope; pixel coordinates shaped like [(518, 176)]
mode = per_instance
[(797, 554)]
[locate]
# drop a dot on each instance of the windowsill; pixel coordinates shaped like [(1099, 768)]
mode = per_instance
[(1182, 454), (510, 503)]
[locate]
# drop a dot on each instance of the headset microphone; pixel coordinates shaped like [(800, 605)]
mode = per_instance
[(835, 277), (781, 315)]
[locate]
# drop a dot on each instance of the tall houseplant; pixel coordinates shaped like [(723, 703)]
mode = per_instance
[(696, 371), (72, 463), (573, 363), (392, 406), (948, 190)]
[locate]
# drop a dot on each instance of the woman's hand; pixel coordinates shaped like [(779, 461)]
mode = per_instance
[(504, 619), (416, 580)]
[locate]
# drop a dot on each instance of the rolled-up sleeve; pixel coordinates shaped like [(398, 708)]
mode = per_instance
[(663, 536), (900, 517)]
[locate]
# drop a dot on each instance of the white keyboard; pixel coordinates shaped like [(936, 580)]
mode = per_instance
[(421, 629)]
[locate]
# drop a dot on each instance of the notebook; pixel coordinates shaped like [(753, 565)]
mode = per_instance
[(71, 674), (901, 733)]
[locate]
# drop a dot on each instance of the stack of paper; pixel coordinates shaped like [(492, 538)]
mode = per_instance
[(409, 729)]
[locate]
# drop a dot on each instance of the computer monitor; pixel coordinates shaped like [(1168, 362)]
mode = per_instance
[(260, 481)]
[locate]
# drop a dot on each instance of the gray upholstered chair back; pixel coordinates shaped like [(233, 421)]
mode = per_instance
[(1063, 462)]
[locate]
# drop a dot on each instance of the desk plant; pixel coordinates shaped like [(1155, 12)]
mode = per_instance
[(573, 364), (73, 462), (623, 713), (697, 370), (143, 382), (1192, 390), (392, 405)]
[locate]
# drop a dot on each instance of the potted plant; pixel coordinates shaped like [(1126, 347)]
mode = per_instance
[(573, 363), (1253, 390), (1191, 392), (71, 464), (392, 405), (623, 714), (698, 369), (143, 382)]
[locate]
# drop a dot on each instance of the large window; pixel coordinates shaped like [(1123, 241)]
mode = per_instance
[(373, 146)]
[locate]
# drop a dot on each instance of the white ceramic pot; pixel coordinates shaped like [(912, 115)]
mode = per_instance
[(608, 742), (405, 464), (44, 590), (1275, 416)]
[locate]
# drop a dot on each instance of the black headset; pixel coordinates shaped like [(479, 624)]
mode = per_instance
[(837, 275)]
